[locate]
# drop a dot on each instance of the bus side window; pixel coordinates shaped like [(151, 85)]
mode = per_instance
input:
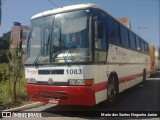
[(142, 46), (138, 43), (132, 40), (97, 34), (100, 37), (146, 47), (100, 34), (103, 41), (124, 36), (113, 31)]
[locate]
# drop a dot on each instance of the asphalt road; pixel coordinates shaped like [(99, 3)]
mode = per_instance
[(139, 98)]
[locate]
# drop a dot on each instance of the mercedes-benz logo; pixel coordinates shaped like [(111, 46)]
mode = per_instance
[(50, 81)]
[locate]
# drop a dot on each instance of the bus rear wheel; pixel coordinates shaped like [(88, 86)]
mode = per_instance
[(112, 91)]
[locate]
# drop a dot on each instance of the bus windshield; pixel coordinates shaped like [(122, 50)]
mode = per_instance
[(60, 38)]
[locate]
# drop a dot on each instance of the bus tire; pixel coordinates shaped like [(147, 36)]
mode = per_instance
[(144, 76), (112, 90)]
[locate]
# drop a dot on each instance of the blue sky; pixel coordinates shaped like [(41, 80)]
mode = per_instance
[(142, 13)]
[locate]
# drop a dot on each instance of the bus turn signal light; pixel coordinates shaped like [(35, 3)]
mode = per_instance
[(81, 82), (89, 82)]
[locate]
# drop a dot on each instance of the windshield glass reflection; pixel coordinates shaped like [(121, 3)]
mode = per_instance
[(59, 38)]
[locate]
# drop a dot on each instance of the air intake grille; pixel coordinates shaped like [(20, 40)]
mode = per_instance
[(46, 72)]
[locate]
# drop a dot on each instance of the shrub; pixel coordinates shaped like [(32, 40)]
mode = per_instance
[(7, 95), (4, 56), (4, 72)]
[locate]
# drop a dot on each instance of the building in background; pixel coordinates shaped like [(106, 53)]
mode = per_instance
[(157, 59), (125, 21), (15, 38), (153, 66)]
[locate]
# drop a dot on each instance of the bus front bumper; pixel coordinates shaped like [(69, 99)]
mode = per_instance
[(66, 95)]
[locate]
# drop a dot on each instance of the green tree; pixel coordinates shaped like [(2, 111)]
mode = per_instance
[(16, 68), (4, 41), (4, 72), (4, 47), (4, 56)]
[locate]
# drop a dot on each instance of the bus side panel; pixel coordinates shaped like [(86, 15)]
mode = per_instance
[(128, 65), (100, 80)]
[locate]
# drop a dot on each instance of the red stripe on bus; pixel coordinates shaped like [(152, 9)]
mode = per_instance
[(129, 78), (103, 85), (100, 86)]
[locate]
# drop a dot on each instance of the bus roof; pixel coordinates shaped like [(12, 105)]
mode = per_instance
[(77, 7), (65, 9)]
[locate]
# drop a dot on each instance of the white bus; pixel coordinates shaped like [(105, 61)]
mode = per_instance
[(81, 55)]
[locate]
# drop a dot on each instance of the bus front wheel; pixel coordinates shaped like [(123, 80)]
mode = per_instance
[(112, 90)]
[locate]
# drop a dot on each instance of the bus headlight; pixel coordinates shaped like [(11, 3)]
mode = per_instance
[(76, 82), (31, 80)]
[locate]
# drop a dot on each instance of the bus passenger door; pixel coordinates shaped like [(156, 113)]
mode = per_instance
[(100, 55)]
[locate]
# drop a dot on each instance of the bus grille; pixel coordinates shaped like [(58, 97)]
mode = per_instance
[(46, 72)]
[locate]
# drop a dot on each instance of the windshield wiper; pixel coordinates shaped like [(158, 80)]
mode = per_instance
[(69, 52), (62, 50), (39, 54), (57, 49)]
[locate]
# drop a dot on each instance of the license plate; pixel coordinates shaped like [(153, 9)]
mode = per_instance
[(53, 101)]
